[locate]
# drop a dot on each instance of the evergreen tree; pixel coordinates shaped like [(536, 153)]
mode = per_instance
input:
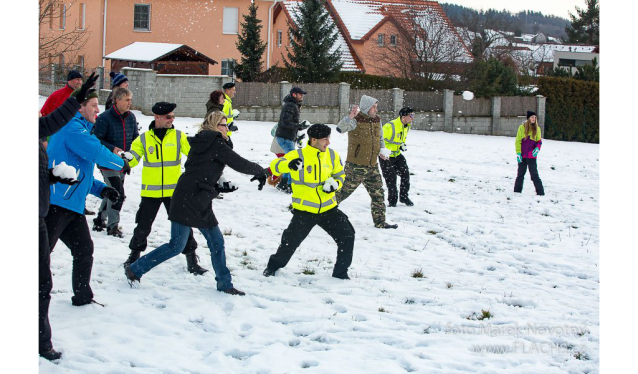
[(492, 77), (585, 26), (250, 46), (588, 72), (309, 58)]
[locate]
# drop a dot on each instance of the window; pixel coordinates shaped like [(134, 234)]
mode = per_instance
[(231, 21), (289, 38), (380, 40), (393, 40), (82, 15), (80, 64), (142, 17), (50, 19), (61, 61), (228, 67), (62, 16), (566, 62), (279, 37)]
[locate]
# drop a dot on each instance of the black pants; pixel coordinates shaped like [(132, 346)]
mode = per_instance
[(146, 213), (390, 169), (72, 229), (533, 172), (334, 222), (45, 286)]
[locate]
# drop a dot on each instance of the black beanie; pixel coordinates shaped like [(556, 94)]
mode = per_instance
[(530, 113), (73, 74), (319, 131)]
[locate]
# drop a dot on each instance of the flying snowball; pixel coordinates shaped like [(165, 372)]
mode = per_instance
[(468, 95)]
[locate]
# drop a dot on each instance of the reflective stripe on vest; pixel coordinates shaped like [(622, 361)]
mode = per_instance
[(313, 205), (156, 187), (159, 164), (137, 157), (277, 164)]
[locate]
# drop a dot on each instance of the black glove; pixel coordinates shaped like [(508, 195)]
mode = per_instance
[(232, 127), (111, 194), (53, 179), (90, 81), (295, 164), (300, 139), (304, 125), (225, 187), (261, 177), (126, 169)]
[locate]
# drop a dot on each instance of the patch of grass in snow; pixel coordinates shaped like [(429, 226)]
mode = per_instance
[(449, 284), (409, 301), (579, 355), (227, 232), (418, 273), (244, 253), (383, 310), (427, 211), (485, 314), (451, 180), (308, 271), (432, 232)]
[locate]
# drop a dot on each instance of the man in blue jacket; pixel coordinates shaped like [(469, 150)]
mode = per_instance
[(116, 129), (65, 220)]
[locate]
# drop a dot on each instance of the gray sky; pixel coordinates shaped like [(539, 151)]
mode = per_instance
[(548, 7)]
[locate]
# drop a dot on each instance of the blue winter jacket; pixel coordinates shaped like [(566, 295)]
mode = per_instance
[(75, 145)]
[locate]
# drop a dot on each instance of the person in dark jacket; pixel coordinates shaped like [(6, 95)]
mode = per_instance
[(216, 102), (117, 80), (191, 204), (116, 129), (287, 129), (49, 125)]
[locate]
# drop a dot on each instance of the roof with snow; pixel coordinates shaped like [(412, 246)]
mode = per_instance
[(149, 52)]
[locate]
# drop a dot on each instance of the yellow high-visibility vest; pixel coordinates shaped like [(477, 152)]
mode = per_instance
[(394, 135)]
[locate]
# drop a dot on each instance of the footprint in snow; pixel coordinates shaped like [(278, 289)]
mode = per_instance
[(228, 307), (305, 364), (294, 342), (340, 308), (239, 354)]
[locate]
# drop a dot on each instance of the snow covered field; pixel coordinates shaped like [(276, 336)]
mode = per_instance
[(528, 264)]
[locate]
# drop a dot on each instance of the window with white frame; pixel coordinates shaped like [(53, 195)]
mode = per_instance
[(381, 40), (228, 67), (279, 37), (142, 17), (82, 17), (80, 64), (231, 21), (393, 40), (62, 16)]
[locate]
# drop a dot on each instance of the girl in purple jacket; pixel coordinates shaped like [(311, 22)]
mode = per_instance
[(528, 144)]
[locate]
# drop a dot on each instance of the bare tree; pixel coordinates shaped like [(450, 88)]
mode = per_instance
[(55, 40), (484, 30)]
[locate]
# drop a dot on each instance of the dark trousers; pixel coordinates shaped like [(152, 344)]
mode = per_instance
[(109, 213), (72, 229), (334, 222), (533, 172), (146, 213), (390, 169), (45, 286)]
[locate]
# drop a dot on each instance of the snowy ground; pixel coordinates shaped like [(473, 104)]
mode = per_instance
[(531, 262)]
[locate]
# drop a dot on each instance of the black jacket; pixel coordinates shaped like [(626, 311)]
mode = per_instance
[(115, 129), (49, 125), (191, 204), (210, 107), (288, 124)]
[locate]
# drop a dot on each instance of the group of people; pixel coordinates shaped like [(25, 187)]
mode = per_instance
[(312, 173)]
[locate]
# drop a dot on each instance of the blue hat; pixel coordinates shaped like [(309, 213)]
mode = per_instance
[(117, 79), (73, 74)]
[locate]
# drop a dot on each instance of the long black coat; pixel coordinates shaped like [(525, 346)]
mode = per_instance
[(191, 204), (288, 124), (49, 125)]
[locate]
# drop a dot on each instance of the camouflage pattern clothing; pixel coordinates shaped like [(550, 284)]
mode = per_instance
[(371, 179)]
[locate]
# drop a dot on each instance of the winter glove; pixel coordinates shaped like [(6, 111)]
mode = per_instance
[(126, 169), (295, 164), (128, 156), (90, 81), (235, 113), (111, 194), (304, 125), (232, 127), (385, 152), (330, 185), (300, 140), (535, 152), (225, 187), (261, 177), (519, 158), (404, 147), (63, 173)]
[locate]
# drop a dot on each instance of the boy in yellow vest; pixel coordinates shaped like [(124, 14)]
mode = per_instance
[(394, 134)]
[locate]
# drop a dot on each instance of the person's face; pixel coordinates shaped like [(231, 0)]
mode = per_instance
[(407, 119), (223, 128), (75, 83), (373, 111), (321, 144), (230, 92), (221, 99), (298, 97), (124, 85), (90, 110), (532, 119), (124, 105), (164, 121)]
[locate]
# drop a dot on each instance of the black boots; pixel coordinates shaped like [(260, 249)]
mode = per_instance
[(132, 257), (268, 272), (386, 225), (234, 291), (98, 224), (51, 355), (115, 231), (406, 201), (193, 266), (130, 275)]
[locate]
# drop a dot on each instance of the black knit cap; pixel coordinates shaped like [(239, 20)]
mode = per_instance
[(163, 107), (73, 74), (530, 113), (228, 85), (319, 131), (405, 111)]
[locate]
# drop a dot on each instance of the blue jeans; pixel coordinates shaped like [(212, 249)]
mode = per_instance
[(179, 237), (287, 146)]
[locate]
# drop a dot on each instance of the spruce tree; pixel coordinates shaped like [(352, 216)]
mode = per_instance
[(585, 26), (250, 46), (313, 35)]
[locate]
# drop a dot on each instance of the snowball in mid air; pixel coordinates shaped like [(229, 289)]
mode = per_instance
[(468, 95)]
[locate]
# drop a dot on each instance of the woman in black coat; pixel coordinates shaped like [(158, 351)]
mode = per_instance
[(191, 204)]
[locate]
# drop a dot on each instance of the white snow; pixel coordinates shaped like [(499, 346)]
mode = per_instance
[(143, 51), (468, 95), (359, 17), (531, 262), (63, 170)]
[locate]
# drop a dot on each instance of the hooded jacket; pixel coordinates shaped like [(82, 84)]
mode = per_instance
[(75, 145), (191, 203), (288, 124), (211, 106)]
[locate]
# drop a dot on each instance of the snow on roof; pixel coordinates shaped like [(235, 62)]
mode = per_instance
[(143, 51), (346, 56), (359, 17), (545, 52)]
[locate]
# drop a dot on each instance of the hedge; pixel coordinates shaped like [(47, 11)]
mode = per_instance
[(572, 109)]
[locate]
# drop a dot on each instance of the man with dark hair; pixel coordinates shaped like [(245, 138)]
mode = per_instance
[(288, 128), (394, 134), (230, 113), (73, 82), (317, 174), (75, 146), (160, 149), (116, 129)]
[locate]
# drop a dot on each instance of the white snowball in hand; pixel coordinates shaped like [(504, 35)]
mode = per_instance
[(386, 152)]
